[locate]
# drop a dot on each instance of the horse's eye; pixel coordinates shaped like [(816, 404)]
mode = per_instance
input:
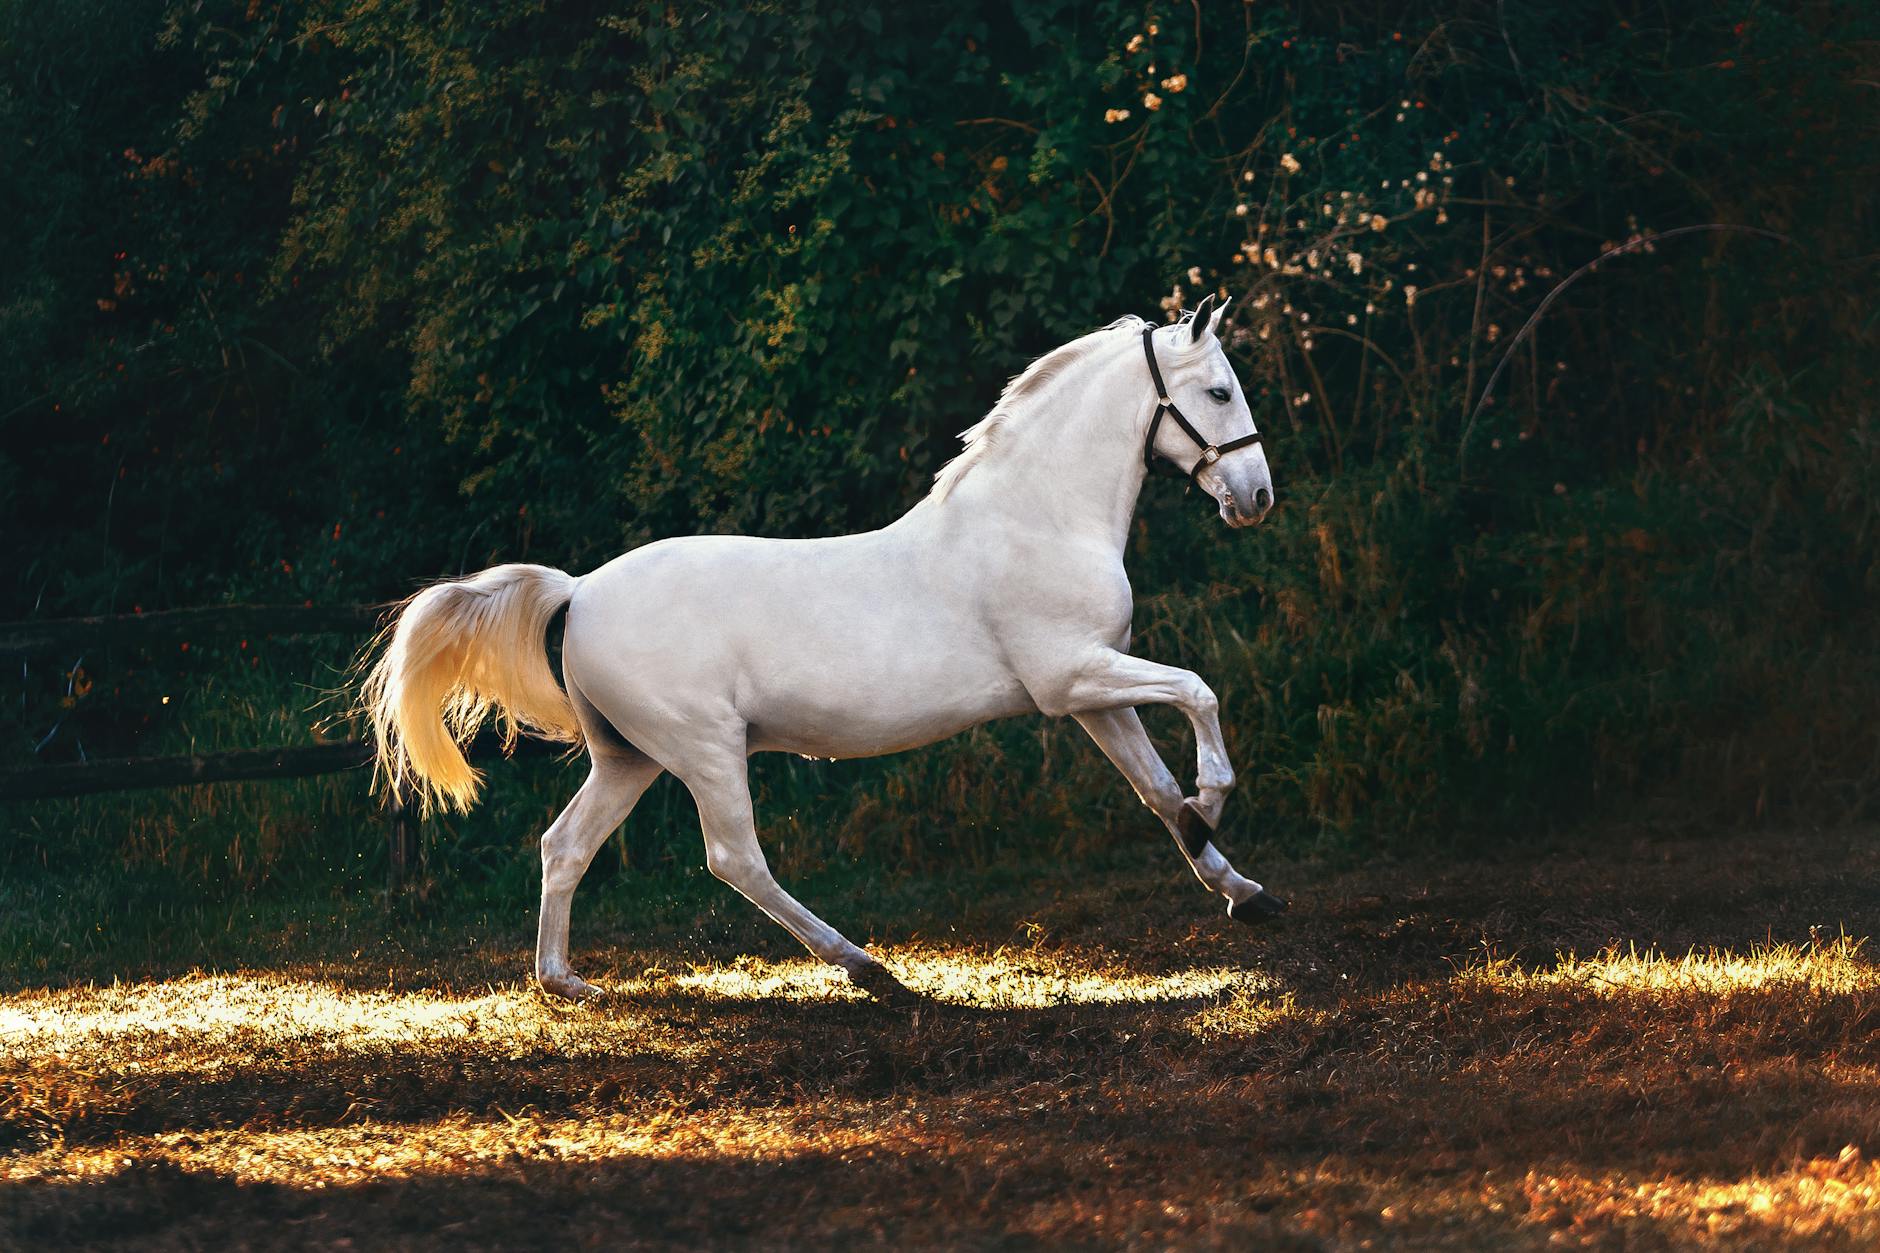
[(1220, 395)]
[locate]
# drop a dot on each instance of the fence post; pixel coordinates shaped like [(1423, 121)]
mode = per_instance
[(401, 837)]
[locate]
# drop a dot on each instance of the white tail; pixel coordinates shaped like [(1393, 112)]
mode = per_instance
[(453, 654)]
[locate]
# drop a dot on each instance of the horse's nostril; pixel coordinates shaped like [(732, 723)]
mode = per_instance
[(1262, 500)]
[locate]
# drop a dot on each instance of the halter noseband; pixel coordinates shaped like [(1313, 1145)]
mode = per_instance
[(1210, 453)]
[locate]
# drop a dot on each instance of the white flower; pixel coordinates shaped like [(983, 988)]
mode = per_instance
[(1246, 176), (1151, 101), (1175, 83), (1356, 262), (1240, 210), (1378, 223), (1289, 163), (1114, 116), (1134, 44), (1303, 398), (1409, 293), (1194, 275)]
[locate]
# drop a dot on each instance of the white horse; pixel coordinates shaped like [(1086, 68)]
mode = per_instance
[(1001, 593)]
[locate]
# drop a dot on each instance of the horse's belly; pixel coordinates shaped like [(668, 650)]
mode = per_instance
[(874, 719)]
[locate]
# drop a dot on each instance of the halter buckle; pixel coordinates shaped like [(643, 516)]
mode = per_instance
[(1209, 455)]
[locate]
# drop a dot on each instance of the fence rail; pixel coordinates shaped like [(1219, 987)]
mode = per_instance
[(60, 634), (122, 774), (240, 765), (119, 774)]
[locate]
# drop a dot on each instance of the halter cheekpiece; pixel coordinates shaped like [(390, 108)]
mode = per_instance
[(1210, 453)]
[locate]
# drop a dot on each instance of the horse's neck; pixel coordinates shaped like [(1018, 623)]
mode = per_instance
[(1073, 462)]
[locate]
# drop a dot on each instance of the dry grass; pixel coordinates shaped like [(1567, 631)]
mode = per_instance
[(1406, 1062)]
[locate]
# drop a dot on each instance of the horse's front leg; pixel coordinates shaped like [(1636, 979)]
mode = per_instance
[(1115, 680), (1119, 733)]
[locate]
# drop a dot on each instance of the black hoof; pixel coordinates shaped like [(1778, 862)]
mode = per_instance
[(879, 982), (1257, 908), (1195, 831)]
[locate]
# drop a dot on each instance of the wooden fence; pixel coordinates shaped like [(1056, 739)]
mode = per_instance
[(22, 639)]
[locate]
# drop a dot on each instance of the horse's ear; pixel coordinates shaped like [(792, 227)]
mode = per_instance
[(1203, 321), (1220, 315)]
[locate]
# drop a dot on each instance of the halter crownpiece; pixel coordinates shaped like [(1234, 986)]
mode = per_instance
[(1210, 453)]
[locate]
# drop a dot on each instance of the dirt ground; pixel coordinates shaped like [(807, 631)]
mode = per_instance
[(1637, 1045)]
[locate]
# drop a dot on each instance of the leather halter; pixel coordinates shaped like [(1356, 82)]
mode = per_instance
[(1210, 453)]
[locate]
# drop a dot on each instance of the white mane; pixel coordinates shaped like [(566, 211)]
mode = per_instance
[(983, 435)]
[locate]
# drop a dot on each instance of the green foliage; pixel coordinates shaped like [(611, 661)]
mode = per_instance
[(314, 300)]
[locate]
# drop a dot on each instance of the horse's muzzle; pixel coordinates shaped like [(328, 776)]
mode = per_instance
[(1237, 516)]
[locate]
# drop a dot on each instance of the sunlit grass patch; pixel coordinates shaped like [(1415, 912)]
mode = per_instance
[(1835, 1197), (1836, 967), (1250, 1011), (377, 1150), (221, 1007), (1001, 979), (228, 1018)]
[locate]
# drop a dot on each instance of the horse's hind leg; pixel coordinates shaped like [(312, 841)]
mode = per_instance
[(616, 781), (721, 786)]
